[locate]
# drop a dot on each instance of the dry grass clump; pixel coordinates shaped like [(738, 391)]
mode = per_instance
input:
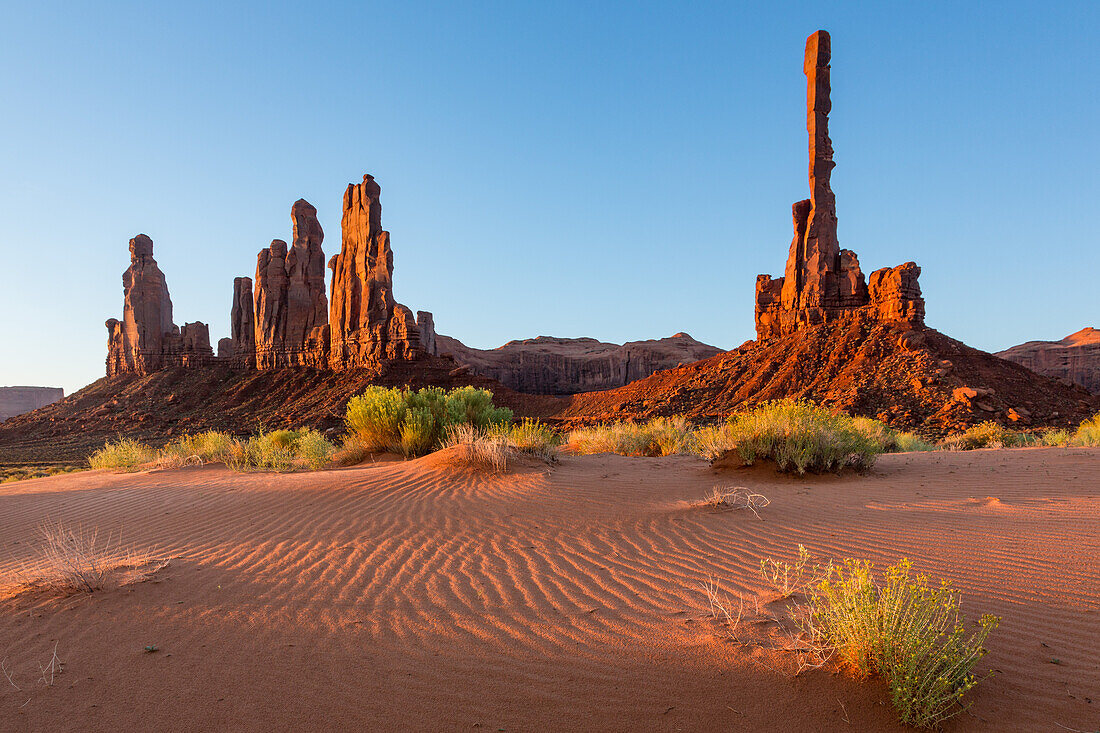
[(903, 629), (478, 448), (74, 559), (888, 439), (792, 578), (1087, 435), (662, 436), (713, 442), (987, 434), (800, 436), (531, 437), (416, 422), (728, 498), (125, 454)]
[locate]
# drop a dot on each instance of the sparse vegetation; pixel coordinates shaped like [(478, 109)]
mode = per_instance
[(125, 454), (207, 447), (912, 443), (282, 450), (531, 437), (726, 498), (662, 436), (792, 578), (74, 559), (905, 630), (23, 473), (416, 422), (987, 434), (800, 436)]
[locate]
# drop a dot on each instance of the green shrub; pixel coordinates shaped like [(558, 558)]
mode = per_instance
[(375, 416), (878, 432), (801, 436), (207, 447), (125, 453), (314, 450), (282, 450), (903, 629), (987, 434), (415, 422)]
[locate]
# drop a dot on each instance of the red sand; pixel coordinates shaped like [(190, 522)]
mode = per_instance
[(418, 596)]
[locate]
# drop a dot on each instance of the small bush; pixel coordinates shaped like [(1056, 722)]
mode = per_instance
[(912, 443), (878, 432), (903, 629), (801, 436), (416, 422), (282, 450), (987, 434), (314, 450), (1087, 434), (125, 453)]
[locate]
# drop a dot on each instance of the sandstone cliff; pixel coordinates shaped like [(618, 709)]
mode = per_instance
[(1076, 358), (561, 366), (821, 281)]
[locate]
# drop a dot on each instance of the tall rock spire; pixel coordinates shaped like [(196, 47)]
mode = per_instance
[(822, 281), (367, 324)]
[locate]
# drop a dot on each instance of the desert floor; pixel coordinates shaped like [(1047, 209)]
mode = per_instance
[(420, 596)]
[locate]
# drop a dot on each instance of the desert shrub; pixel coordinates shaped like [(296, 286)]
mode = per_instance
[(207, 447), (1055, 438), (314, 450), (878, 432), (282, 450), (912, 443), (478, 448), (726, 498), (23, 473), (903, 629), (416, 422), (375, 416), (531, 437), (125, 453), (792, 578), (713, 442), (987, 434), (662, 436), (1088, 433), (801, 436)]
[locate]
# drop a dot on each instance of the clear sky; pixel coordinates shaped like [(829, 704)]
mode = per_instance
[(620, 171)]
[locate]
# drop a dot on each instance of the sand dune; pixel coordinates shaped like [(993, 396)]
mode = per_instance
[(420, 596)]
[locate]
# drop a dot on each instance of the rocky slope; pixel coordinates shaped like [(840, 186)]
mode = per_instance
[(915, 380), (1076, 358), (561, 366)]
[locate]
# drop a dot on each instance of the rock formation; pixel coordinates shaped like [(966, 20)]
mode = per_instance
[(290, 297), (137, 343), (425, 323), (18, 400), (561, 366), (1076, 358), (240, 347), (367, 324), (822, 282)]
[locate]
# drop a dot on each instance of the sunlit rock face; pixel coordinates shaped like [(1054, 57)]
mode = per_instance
[(146, 339), (366, 324), (821, 281), (1076, 358)]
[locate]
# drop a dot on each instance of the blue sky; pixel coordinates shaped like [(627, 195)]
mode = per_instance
[(614, 170)]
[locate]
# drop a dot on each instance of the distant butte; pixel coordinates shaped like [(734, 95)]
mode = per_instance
[(1076, 358)]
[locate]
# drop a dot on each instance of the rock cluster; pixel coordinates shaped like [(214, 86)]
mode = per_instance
[(822, 281), (146, 339), (1076, 358), (282, 319)]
